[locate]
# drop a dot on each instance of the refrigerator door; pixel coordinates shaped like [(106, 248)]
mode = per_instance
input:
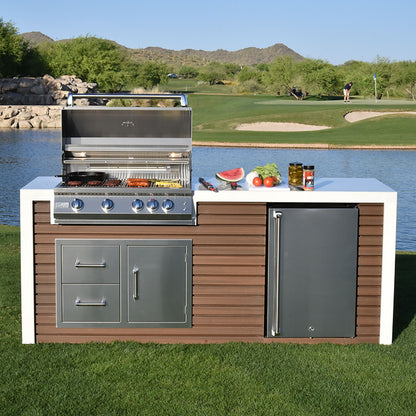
[(312, 271)]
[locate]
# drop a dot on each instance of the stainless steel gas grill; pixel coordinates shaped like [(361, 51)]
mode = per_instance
[(127, 165)]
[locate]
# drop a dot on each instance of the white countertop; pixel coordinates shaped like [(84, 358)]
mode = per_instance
[(322, 185), (326, 190)]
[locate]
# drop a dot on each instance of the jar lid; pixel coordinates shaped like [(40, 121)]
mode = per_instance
[(309, 167), (295, 164)]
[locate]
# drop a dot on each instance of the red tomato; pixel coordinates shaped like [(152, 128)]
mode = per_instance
[(268, 182), (274, 180), (257, 181)]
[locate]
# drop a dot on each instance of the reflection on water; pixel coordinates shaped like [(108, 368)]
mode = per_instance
[(26, 154)]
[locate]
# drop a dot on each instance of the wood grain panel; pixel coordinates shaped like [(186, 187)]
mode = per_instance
[(229, 276)]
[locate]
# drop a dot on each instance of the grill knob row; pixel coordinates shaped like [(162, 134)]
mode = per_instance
[(137, 205)]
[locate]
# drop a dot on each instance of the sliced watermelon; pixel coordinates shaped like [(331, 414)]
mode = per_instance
[(232, 175)]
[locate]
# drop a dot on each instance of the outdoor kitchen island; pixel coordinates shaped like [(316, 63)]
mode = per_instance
[(229, 270)]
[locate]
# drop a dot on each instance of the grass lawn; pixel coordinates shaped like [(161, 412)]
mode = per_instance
[(216, 116), (240, 379), (217, 111)]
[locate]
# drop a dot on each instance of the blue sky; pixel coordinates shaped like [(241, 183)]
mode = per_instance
[(332, 30)]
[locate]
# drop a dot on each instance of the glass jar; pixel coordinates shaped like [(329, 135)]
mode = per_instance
[(308, 177), (295, 174)]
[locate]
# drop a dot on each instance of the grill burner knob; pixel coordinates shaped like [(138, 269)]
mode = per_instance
[(77, 204), (137, 205), (107, 205), (152, 205), (167, 205)]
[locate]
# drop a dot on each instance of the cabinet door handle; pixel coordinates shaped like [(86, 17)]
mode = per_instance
[(277, 218), (79, 264), (79, 302), (136, 283)]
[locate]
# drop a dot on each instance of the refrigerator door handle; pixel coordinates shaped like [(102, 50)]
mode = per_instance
[(277, 219)]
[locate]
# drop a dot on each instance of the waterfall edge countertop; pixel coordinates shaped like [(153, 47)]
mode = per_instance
[(327, 190)]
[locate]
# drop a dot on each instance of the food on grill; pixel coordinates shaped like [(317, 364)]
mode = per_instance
[(74, 183), (94, 183), (112, 182), (138, 182), (232, 175), (168, 184)]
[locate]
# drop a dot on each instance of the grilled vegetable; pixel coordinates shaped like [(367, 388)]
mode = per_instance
[(168, 184)]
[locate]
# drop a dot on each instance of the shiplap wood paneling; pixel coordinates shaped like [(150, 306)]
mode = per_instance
[(229, 276)]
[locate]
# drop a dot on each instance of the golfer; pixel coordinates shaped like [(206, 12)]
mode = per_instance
[(347, 89)]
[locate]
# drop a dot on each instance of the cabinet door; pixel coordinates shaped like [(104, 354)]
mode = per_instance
[(159, 283), (314, 290)]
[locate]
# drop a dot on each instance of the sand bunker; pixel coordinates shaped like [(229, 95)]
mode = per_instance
[(362, 115), (273, 126), (352, 117)]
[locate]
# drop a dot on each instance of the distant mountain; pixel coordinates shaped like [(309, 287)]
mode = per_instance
[(193, 57), (246, 56), (35, 38)]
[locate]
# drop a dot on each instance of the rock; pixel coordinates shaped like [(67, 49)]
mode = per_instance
[(6, 123), (24, 115), (36, 102), (24, 124), (38, 90), (10, 112)]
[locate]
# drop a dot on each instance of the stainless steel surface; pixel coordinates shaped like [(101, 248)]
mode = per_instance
[(83, 263), (90, 307), (79, 302), (150, 284), (276, 216), (152, 144), (181, 97), (136, 283), (315, 274), (79, 264)]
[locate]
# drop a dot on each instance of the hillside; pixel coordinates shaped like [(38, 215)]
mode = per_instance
[(193, 57), (35, 38), (246, 56)]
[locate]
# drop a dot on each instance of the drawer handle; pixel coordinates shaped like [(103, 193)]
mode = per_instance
[(79, 302), (79, 264)]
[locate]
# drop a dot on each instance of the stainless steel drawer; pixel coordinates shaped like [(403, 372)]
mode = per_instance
[(90, 263), (90, 303)]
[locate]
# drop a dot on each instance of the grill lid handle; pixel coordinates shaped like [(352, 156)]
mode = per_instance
[(182, 97)]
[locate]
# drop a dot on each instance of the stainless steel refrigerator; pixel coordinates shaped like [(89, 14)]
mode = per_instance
[(312, 270)]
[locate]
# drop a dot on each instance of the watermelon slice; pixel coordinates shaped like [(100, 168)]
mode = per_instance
[(232, 175)]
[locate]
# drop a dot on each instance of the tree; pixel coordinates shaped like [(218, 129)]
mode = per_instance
[(404, 77), (13, 51), (281, 74), (151, 74), (91, 59), (319, 77), (187, 71), (212, 73)]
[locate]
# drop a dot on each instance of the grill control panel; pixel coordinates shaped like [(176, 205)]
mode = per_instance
[(119, 208)]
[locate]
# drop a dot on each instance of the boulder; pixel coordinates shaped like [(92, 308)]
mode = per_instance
[(9, 112), (25, 124)]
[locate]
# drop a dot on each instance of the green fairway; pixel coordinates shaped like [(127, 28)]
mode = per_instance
[(217, 116), (126, 378)]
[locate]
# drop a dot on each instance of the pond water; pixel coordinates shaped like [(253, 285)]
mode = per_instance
[(26, 154)]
